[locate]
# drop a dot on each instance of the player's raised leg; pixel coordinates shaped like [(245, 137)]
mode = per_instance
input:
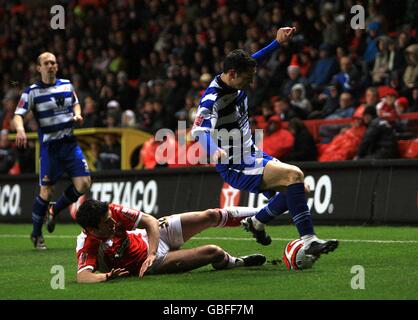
[(276, 176), (195, 222)]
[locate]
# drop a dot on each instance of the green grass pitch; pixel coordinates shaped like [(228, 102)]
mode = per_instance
[(389, 256)]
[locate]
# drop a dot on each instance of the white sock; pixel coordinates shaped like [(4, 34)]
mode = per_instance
[(242, 212), (308, 238), (257, 224), (234, 262)]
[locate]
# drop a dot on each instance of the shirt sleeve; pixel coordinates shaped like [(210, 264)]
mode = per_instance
[(205, 123), (127, 217), (25, 103), (87, 255), (264, 53)]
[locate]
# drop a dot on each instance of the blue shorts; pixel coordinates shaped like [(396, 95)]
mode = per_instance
[(59, 157), (247, 176)]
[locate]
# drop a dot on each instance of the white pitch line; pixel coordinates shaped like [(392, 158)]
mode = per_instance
[(226, 238), (285, 239)]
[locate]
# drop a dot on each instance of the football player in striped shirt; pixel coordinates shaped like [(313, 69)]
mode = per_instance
[(223, 109), (55, 106)]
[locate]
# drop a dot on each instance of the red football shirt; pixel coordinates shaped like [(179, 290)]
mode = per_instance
[(126, 249)]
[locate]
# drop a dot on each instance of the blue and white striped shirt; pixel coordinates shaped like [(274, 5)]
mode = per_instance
[(223, 107), (52, 106)]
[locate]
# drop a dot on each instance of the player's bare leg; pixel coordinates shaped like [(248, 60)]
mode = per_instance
[(195, 222), (82, 184), (71, 194), (188, 259)]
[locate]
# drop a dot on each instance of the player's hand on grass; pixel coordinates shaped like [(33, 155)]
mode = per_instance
[(147, 264), (284, 34), (21, 139), (78, 119), (115, 273)]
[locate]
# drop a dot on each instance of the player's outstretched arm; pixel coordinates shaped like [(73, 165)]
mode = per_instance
[(283, 35), (87, 276), (21, 139), (153, 232)]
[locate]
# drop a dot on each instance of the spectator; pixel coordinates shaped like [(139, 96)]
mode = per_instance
[(344, 146), (128, 119), (386, 108), (345, 110), (373, 30), (293, 71), (414, 103), (298, 100), (91, 115), (327, 101), (324, 68), (382, 64), (348, 77), (274, 133), (410, 76), (113, 114), (304, 147), (379, 141), (9, 104), (286, 111), (7, 153), (109, 156), (401, 105), (125, 94)]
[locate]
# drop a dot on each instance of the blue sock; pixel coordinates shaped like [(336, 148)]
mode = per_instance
[(69, 196), (38, 213), (275, 207), (298, 209)]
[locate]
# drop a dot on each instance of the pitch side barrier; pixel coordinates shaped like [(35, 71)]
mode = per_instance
[(347, 192)]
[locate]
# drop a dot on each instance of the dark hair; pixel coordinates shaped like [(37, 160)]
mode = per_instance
[(238, 60), (371, 111), (90, 213), (297, 125)]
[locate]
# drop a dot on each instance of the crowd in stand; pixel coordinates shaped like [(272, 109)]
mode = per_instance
[(144, 64)]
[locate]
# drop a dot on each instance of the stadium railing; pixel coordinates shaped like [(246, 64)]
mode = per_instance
[(130, 141)]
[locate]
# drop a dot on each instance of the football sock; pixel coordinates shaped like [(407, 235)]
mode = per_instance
[(231, 216), (298, 209), (307, 239), (38, 213), (228, 262), (274, 208), (69, 196)]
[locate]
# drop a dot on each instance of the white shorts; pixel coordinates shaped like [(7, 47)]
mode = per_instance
[(171, 238)]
